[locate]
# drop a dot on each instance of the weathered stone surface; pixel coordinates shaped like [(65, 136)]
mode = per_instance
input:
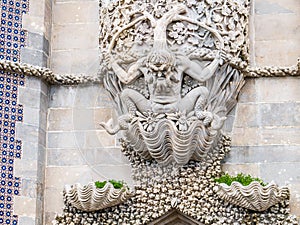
[(65, 157), (25, 206), (264, 154), (75, 12), (60, 119), (69, 140), (282, 173), (285, 89), (70, 36)]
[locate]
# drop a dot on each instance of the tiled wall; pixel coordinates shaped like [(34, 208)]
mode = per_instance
[(12, 38)]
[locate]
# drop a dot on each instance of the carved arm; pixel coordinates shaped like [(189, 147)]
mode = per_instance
[(133, 71)]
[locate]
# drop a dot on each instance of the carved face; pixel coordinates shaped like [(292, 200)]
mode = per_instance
[(160, 61)]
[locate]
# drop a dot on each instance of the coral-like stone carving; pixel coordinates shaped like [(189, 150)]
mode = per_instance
[(254, 196), (172, 103), (90, 198)]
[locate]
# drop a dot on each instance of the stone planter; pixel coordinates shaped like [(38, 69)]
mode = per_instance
[(254, 196), (89, 198)]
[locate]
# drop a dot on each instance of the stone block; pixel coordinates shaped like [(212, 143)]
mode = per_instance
[(34, 57), (61, 61), (27, 132), (62, 96), (248, 92), (279, 89), (26, 168), (65, 157), (83, 119), (25, 220), (280, 114), (29, 187), (285, 53), (38, 42), (267, 27), (53, 199), (29, 97), (37, 8), (281, 173), (75, 12), (103, 139), (70, 140), (31, 116), (246, 115), (105, 156), (58, 177), (233, 169), (75, 36), (34, 24), (24, 206), (29, 150), (60, 119), (246, 136), (270, 7), (280, 135), (75, 61), (37, 84), (264, 154)]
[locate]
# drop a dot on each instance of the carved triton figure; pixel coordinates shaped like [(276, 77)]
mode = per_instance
[(163, 72)]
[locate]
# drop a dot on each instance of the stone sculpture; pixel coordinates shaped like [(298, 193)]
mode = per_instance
[(168, 105), (90, 198), (254, 196), (174, 71)]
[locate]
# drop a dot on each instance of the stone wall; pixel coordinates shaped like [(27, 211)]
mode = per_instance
[(265, 134), (63, 143)]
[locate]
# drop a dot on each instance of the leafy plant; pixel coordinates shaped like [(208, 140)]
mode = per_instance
[(99, 184), (115, 183), (241, 178)]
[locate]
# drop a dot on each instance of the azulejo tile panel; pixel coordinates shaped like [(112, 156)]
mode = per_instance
[(12, 38)]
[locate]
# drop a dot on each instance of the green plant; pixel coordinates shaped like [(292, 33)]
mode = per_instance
[(241, 178), (99, 184), (115, 183)]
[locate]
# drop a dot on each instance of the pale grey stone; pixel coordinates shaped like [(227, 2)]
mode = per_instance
[(25, 220), (38, 42), (281, 173), (65, 139), (34, 57), (29, 97), (65, 157), (27, 133), (263, 154), (62, 96), (104, 156), (267, 7), (29, 187), (60, 119), (29, 150), (280, 114)]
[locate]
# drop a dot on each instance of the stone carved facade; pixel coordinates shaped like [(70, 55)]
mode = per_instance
[(174, 71), (172, 103)]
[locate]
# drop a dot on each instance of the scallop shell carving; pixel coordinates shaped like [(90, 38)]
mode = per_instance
[(254, 196), (89, 198), (166, 144)]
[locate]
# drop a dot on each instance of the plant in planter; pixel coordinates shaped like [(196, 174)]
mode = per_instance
[(97, 195), (249, 192)]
